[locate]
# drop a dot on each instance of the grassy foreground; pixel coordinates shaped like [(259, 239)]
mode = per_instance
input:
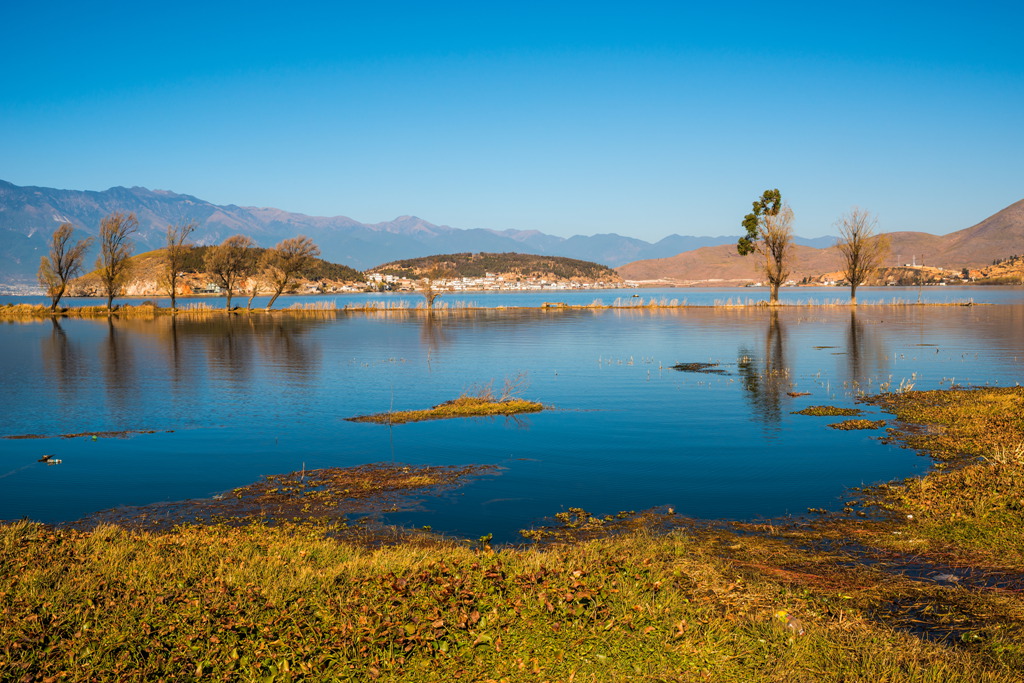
[(596, 601), (287, 603)]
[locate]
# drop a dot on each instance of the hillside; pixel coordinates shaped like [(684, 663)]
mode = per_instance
[(990, 240), (509, 264)]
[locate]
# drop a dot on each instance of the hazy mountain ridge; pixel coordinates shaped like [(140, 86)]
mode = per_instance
[(28, 216)]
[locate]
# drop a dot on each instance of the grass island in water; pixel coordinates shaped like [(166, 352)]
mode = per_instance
[(464, 406)]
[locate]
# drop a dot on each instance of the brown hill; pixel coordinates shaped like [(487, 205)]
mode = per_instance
[(722, 264), (994, 238)]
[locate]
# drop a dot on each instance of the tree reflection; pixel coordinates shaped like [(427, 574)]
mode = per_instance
[(767, 379), (432, 333), (865, 353), (119, 371), (63, 359)]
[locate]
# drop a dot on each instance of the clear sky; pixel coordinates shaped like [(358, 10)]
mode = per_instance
[(641, 118)]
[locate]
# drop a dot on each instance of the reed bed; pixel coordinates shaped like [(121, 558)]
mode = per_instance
[(26, 312)]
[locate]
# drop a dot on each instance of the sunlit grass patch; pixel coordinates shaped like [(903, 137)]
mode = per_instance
[(973, 504), (464, 406), (858, 424), (828, 411)]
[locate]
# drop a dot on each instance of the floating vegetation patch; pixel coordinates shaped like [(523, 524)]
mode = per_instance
[(828, 411), (858, 424), (330, 494), (122, 434), (464, 406), (824, 347), (707, 368), (795, 394)]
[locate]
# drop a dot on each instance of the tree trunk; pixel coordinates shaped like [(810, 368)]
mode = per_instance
[(273, 298), (56, 299), (853, 294), (110, 302), (773, 295), (227, 306)]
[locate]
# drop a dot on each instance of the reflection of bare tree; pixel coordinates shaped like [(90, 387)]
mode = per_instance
[(63, 360), (228, 342), (767, 379), (283, 342), (432, 333), (865, 353), (118, 367)]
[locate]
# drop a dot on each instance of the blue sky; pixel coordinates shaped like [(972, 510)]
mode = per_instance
[(639, 118)]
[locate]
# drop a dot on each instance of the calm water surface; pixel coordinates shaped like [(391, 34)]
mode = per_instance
[(248, 397)]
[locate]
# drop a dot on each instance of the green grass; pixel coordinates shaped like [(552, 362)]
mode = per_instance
[(289, 603)]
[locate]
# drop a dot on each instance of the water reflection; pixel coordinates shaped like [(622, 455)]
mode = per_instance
[(866, 355), (432, 334), (119, 370), (767, 379), (62, 360)]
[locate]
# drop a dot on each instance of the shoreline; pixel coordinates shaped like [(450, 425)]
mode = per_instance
[(927, 585), (42, 311)]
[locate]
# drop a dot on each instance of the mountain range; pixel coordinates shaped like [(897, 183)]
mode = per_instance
[(28, 216)]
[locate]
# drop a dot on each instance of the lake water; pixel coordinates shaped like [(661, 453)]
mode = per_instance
[(245, 397)]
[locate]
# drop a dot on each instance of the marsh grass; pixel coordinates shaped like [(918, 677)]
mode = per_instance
[(828, 411), (847, 425), (972, 505), (464, 406), (289, 603), (648, 596)]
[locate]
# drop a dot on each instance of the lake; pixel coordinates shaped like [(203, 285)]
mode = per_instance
[(232, 399)]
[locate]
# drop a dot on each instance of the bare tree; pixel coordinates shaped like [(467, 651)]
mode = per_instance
[(62, 264), (254, 282), (770, 233), (178, 248), (113, 264), (230, 262), (285, 262), (430, 286), (862, 249)]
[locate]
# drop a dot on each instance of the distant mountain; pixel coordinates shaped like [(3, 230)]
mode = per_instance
[(28, 216), (997, 237)]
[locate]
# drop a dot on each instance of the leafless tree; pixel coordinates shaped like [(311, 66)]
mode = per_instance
[(430, 284), (62, 264), (862, 249), (114, 262), (285, 262), (178, 248), (776, 247), (230, 262), (254, 283)]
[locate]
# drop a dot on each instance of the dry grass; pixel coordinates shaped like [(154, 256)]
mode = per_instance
[(464, 406)]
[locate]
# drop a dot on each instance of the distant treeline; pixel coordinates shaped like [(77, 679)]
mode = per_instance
[(320, 270), (479, 264)]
